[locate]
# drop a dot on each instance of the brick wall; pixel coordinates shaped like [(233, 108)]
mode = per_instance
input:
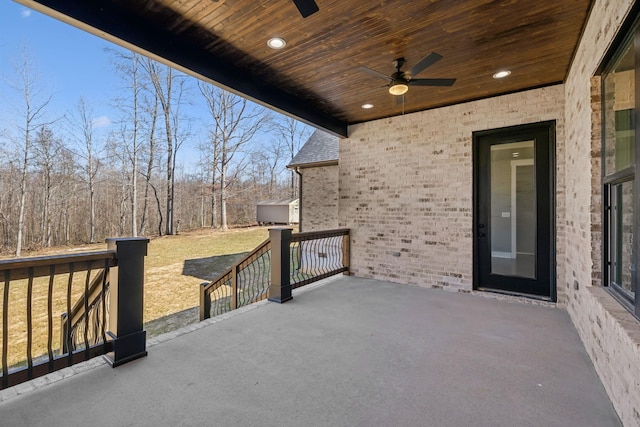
[(406, 187), (406, 193), (319, 198), (610, 334)]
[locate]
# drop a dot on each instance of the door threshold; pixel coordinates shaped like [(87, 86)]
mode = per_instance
[(516, 294)]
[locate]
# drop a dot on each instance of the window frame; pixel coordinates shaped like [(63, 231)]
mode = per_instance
[(610, 234)]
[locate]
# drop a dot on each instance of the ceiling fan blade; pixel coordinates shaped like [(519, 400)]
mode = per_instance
[(375, 91), (432, 82), (374, 73), (306, 7), (425, 62)]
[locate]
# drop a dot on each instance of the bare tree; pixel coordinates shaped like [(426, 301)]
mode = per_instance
[(81, 186), (210, 163), (9, 177), (271, 157), (68, 195), (89, 151), (118, 157), (152, 110), (235, 122), (128, 67), (163, 79), (32, 113), (293, 133), (47, 157)]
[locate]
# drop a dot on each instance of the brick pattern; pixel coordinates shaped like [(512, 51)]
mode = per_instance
[(406, 193), (596, 179), (319, 198), (610, 334), (406, 187)]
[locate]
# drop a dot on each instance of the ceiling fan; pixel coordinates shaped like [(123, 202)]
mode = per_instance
[(400, 81), (306, 7)]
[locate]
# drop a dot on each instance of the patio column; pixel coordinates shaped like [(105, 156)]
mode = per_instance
[(280, 288), (126, 300)]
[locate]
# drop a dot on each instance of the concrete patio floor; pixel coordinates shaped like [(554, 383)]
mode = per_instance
[(352, 352)]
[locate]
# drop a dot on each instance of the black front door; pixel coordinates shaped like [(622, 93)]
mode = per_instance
[(513, 210)]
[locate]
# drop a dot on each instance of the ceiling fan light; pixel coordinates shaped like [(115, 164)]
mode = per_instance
[(398, 89)]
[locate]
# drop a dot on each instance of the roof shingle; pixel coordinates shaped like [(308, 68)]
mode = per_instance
[(321, 147)]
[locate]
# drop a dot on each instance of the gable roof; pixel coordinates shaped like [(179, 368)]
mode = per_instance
[(321, 149)]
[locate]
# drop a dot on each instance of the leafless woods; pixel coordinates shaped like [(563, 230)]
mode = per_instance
[(173, 153)]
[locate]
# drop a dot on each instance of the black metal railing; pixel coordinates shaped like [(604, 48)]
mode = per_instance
[(312, 256), (86, 325), (37, 292), (317, 255), (247, 281), (68, 297)]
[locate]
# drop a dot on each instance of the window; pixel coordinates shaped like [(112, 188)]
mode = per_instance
[(620, 148)]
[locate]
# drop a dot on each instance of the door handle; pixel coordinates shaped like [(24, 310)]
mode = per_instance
[(481, 235)]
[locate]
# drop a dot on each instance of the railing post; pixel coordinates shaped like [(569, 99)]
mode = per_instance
[(234, 287), (126, 300), (280, 288), (205, 302), (346, 249)]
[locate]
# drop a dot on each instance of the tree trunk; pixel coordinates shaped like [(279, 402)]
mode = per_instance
[(170, 162), (92, 214), (23, 188), (67, 227), (134, 198), (46, 220), (23, 195), (214, 205), (134, 159), (147, 178), (293, 183), (223, 190), (145, 208), (202, 212), (155, 193)]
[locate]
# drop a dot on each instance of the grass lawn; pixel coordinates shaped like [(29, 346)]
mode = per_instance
[(175, 266)]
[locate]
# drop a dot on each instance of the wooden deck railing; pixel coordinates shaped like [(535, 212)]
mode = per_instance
[(281, 263), (37, 292)]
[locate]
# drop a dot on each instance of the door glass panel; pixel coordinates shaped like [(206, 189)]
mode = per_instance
[(622, 236), (619, 104), (513, 209)]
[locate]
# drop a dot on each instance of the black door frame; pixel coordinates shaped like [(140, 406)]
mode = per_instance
[(506, 135)]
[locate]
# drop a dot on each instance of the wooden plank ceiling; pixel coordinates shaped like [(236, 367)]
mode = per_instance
[(317, 76)]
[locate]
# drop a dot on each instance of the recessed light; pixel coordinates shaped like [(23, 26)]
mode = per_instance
[(276, 43), (367, 106), (502, 74)]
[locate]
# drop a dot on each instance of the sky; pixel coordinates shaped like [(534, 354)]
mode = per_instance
[(73, 64), (69, 61)]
